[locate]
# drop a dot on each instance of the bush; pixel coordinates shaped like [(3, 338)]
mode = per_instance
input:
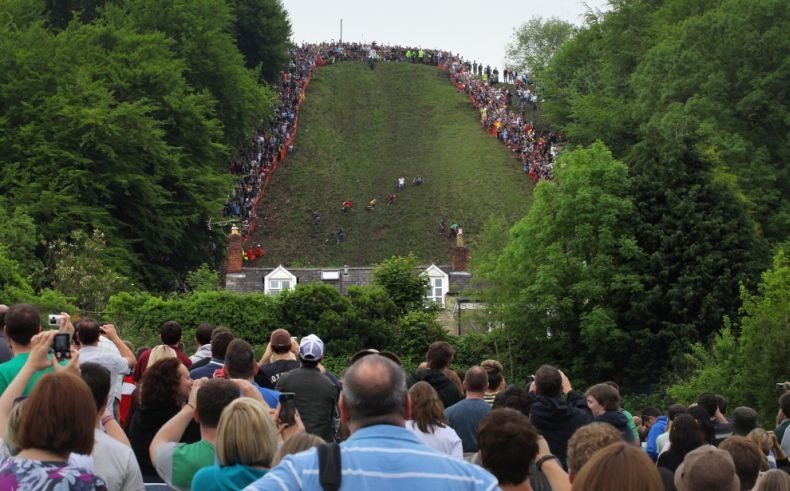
[(249, 315)]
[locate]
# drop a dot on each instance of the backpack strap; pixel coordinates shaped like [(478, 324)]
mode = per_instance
[(329, 466)]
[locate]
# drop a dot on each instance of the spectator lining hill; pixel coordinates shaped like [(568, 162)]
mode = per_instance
[(359, 131)]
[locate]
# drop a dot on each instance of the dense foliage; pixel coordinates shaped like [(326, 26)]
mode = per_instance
[(535, 43), (120, 117), (691, 98), (746, 366), (363, 317)]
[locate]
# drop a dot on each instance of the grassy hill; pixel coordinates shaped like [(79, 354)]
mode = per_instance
[(358, 131)]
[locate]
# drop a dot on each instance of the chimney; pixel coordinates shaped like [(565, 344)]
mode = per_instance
[(461, 259), (234, 259)]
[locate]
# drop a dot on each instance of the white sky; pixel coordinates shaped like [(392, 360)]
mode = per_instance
[(477, 30)]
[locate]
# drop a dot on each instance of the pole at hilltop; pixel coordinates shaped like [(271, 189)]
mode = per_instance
[(341, 30)]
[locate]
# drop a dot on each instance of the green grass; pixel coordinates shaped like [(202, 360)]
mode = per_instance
[(358, 131)]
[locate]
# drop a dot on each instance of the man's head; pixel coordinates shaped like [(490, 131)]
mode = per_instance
[(22, 322), (508, 445), (203, 333), (439, 355), (548, 381), (88, 331), (240, 360), (98, 379), (220, 339), (747, 457), (707, 401), (586, 441), (675, 410), (475, 380), (280, 341), (311, 350), (212, 397), (705, 469), (514, 397), (744, 420), (650, 415), (170, 333), (374, 392)]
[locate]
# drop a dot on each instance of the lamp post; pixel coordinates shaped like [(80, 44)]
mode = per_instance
[(459, 303)]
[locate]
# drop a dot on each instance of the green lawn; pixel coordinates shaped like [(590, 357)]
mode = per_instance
[(358, 131)]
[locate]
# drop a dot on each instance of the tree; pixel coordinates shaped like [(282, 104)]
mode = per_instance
[(565, 281), (764, 340), (262, 34), (535, 43), (21, 241), (201, 34), (203, 279), (744, 367), (400, 278), (699, 240), (83, 270), (99, 129), (416, 330)]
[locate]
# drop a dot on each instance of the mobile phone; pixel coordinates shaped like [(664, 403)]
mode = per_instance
[(287, 408), (54, 320), (62, 345)]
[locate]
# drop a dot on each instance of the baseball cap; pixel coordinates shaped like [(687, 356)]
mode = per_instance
[(280, 339), (311, 348), (707, 468)]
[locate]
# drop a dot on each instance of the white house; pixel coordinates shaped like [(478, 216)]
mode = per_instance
[(279, 280)]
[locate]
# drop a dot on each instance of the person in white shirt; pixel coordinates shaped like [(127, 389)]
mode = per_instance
[(428, 422), (203, 343), (88, 332), (113, 458)]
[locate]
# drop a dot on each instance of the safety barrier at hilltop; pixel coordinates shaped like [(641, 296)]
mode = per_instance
[(260, 159)]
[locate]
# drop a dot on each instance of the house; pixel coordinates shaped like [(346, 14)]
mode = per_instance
[(445, 283)]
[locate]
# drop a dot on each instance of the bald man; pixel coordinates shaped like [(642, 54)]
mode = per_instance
[(380, 454)]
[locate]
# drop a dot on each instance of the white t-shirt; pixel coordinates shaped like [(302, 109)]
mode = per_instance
[(115, 463), (443, 439), (115, 363)]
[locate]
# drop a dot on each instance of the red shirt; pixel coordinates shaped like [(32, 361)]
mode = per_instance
[(142, 363)]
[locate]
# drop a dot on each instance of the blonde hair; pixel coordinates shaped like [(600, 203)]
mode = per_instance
[(11, 428), (160, 352), (762, 439), (297, 443), (246, 434)]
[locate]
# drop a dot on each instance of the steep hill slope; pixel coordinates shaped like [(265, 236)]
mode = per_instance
[(359, 130)]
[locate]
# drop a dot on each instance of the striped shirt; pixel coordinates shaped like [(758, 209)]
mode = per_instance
[(382, 458)]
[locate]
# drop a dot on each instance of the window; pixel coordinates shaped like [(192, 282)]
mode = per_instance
[(277, 286), (435, 292)]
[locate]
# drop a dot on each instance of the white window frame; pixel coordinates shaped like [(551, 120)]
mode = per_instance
[(436, 275), (279, 280)]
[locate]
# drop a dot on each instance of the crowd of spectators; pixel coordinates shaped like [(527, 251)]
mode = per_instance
[(205, 422), (274, 140), (535, 149)]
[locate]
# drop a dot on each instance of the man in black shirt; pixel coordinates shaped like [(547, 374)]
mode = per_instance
[(278, 359)]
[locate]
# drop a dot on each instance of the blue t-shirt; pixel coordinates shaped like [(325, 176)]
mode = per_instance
[(464, 417), (271, 396)]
